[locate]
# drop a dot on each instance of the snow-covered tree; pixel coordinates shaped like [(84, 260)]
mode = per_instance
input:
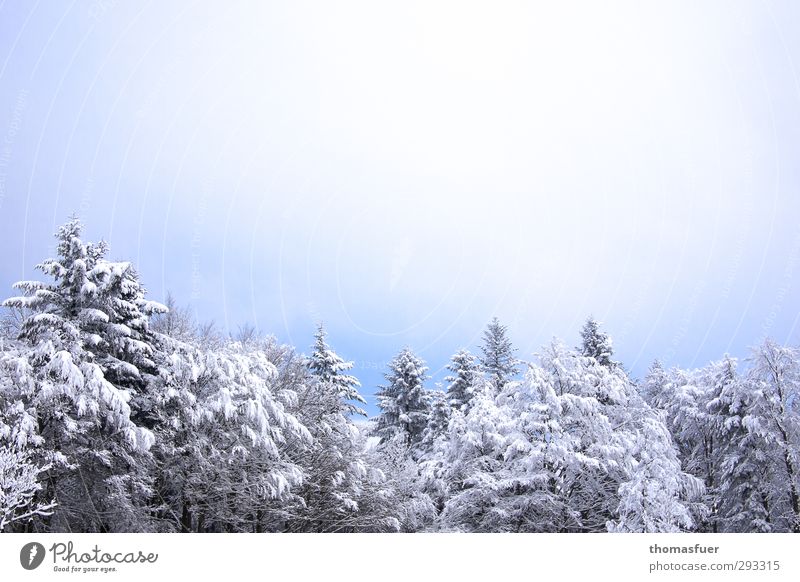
[(596, 344), (400, 501), (594, 415), (498, 361), (176, 322), (654, 382), (774, 417), (438, 420), (403, 400), (11, 323), (19, 485), (22, 463), (466, 374), (83, 330), (713, 424), (693, 405), (539, 455), (231, 469), (656, 496), (606, 449), (738, 496), (336, 492), (471, 470), (329, 368)]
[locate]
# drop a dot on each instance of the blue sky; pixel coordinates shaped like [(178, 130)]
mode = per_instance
[(406, 171)]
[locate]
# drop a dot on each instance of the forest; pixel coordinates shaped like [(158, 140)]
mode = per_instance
[(122, 414)]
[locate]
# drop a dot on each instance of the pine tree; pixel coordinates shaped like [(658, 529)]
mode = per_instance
[(615, 450), (466, 375), (717, 383), (437, 421), (225, 449), (83, 330), (326, 365), (246, 476), (596, 343), (774, 416), (594, 411), (654, 383), (336, 477), (539, 456), (403, 401), (740, 501), (472, 467), (656, 496), (681, 397), (498, 361)]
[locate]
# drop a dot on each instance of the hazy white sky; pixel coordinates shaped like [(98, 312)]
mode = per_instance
[(407, 170)]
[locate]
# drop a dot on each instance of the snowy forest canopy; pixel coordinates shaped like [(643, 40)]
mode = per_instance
[(119, 414)]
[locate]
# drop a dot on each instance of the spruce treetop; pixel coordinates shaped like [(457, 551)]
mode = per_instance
[(596, 343), (498, 361), (329, 367)]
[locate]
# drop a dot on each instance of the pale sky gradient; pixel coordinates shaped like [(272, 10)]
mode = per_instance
[(405, 171)]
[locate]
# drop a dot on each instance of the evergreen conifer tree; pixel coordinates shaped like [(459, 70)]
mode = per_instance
[(403, 400), (498, 361)]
